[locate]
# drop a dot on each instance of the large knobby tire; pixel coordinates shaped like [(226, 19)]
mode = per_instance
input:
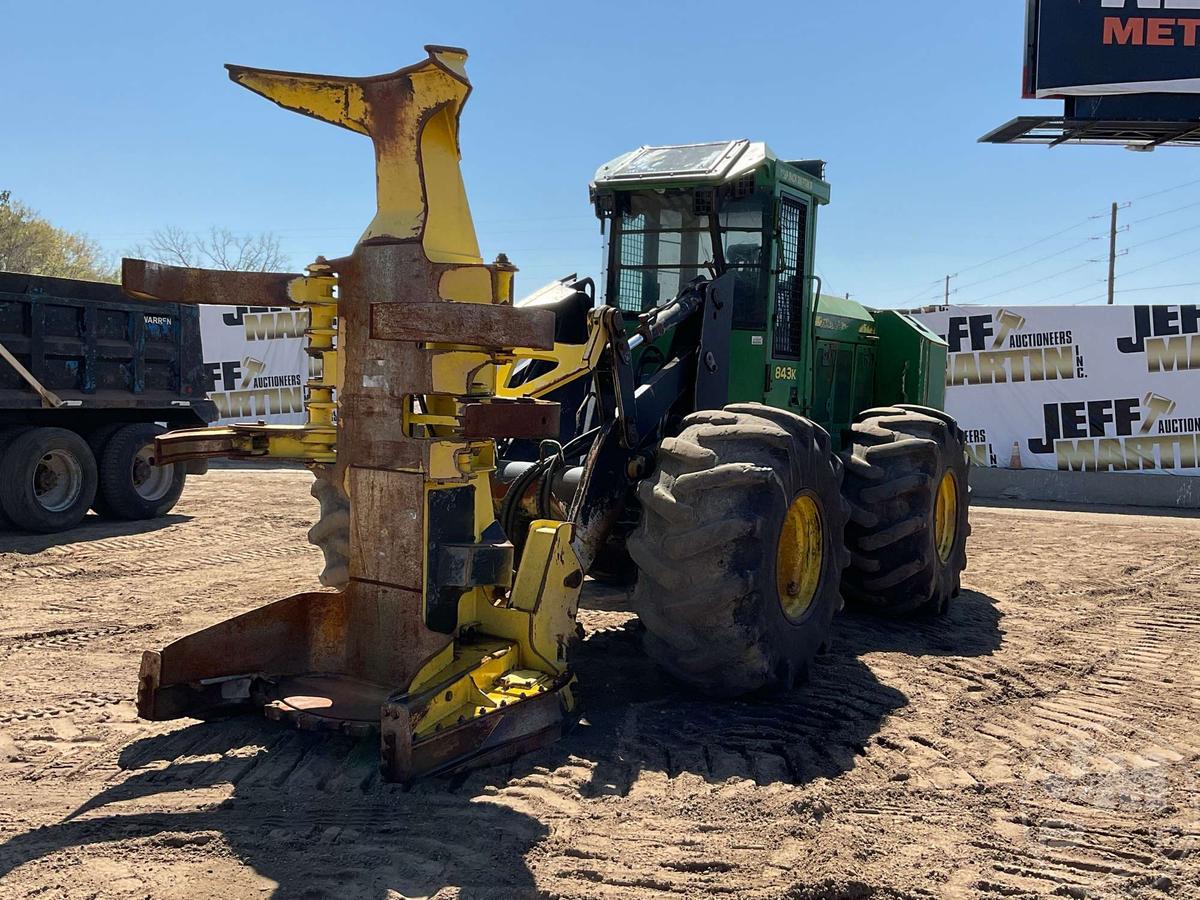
[(905, 555), (723, 502), (47, 480), (332, 531), (131, 487)]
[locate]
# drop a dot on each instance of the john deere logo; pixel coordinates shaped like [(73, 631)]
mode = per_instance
[(1118, 435), (1168, 336), (995, 349)]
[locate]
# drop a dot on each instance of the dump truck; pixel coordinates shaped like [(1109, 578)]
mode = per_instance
[(88, 379), (705, 425)]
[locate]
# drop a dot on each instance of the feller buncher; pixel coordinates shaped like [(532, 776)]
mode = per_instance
[(746, 450)]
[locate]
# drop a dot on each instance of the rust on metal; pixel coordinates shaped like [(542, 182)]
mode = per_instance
[(354, 633), (522, 419), (486, 740), (147, 280), (475, 324), (181, 446)]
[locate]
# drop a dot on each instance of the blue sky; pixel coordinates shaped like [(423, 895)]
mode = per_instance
[(119, 118)]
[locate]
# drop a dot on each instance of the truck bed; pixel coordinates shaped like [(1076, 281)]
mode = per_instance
[(88, 342)]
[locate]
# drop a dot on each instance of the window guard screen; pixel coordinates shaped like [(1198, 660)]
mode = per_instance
[(789, 282)]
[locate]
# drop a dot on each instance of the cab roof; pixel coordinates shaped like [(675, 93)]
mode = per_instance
[(715, 162)]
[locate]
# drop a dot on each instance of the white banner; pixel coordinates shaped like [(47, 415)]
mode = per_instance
[(1107, 389), (255, 361)]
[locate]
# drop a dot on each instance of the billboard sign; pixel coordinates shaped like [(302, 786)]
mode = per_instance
[(256, 363), (1096, 47), (1099, 389)]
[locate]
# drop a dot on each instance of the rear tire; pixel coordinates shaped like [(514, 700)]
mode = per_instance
[(47, 480), (131, 488), (98, 439), (711, 541), (906, 557)]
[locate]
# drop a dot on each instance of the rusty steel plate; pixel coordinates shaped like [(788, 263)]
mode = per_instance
[(525, 419), (330, 702), (176, 284), (476, 324)]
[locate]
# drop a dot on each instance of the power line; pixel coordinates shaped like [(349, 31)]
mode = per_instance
[(1153, 287), (1029, 246), (1142, 243), (1061, 232), (1027, 265), (1158, 287), (1165, 213), (1164, 237), (1152, 265), (1160, 262), (979, 265), (1020, 287), (921, 290), (1165, 191), (1074, 290)]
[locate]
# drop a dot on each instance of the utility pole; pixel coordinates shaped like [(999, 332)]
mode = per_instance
[(948, 277), (1112, 255)]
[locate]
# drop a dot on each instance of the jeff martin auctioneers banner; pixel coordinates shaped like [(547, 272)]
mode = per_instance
[(255, 362), (1093, 389)]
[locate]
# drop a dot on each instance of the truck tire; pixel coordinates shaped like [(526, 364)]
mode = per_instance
[(99, 436), (7, 435), (332, 531), (98, 439), (742, 499), (47, 480), (907, 483), (131, 487)]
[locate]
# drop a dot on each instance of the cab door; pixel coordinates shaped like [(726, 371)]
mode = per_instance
[(788, 382)]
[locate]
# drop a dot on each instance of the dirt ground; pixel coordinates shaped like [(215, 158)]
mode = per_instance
[(1040, 740)]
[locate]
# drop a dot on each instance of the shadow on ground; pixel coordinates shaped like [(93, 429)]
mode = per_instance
[(637, 718), (310, 813), (93, 528)]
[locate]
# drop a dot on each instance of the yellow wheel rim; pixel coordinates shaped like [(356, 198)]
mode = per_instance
[(799, 557), (945, 516)]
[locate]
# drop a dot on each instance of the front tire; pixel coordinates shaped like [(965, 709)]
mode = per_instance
[(740, 549), (907, 483)]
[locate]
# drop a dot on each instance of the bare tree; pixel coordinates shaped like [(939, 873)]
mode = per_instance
[(218, 248), (29, 243)]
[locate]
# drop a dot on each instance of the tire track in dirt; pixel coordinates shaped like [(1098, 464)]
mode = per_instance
[(65, 638), (1071, 849), (1105, 751), (83, 700), (162, 567), (1107, 724)]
